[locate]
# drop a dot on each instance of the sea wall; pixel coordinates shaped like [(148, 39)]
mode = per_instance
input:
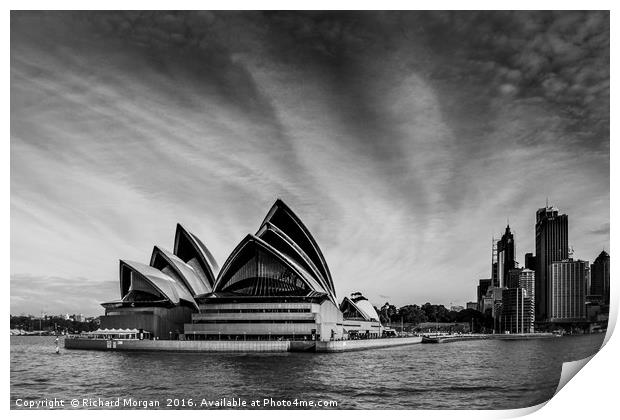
[(180, 346), (85, 344), (236, 346), (470, 337), (350, 345)]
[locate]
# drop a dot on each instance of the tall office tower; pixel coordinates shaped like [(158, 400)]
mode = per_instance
[(530, 261), (568, 290), (599, 277), (527, 281), (495, 293), (517, 311), (483, 286), (551, 246), (513, 278), (494, 274), (505, 256)]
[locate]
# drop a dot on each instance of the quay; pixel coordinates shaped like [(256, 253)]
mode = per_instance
[(437, 339), (227, 346)]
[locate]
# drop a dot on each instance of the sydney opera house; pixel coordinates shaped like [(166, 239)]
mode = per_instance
[(275, 285)]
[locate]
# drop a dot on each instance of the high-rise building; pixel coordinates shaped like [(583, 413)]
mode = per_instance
[(568, 290), (494, 298), (496, 294), (513, 278), (494, 265), (551, 246), (487, 303), (599, 277), (527, 281), (483, 286), (530, 261), (517, 311), (505, 256)]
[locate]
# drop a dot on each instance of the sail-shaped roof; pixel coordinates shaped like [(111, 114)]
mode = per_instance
[(256, 268), (277, 238), (365, 306), (176, 268), (286, 220), (138, 277), (192, 251), (359, 307), (350, 310)]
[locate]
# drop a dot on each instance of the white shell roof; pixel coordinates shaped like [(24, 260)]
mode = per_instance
[(161, 281), (194, 283), (366, 307)]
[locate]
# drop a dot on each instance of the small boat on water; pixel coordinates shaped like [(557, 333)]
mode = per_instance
[(427, 339)]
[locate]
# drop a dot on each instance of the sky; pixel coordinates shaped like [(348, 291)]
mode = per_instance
[(404, 141)]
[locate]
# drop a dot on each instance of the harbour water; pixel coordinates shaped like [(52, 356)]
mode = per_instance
[(487, 374)]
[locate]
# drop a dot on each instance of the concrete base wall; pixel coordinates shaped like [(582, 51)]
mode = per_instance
[(237, 346), (85, 344), (349, 345), (469, 337), (180, 346)]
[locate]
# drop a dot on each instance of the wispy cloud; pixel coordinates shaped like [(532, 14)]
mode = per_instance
[(404, 141)]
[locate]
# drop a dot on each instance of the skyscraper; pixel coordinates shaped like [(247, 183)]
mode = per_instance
[(551, 246), (505, 256), (494, 275), (530, 261), (568, 290), (517, 311), (527, 280), (483, 286), (599, 277), (513, 278)]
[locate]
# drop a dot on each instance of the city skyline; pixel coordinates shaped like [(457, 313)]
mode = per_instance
[(403, 147)]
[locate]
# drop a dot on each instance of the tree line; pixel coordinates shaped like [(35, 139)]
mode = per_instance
[(415, 314), (54, 323)]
